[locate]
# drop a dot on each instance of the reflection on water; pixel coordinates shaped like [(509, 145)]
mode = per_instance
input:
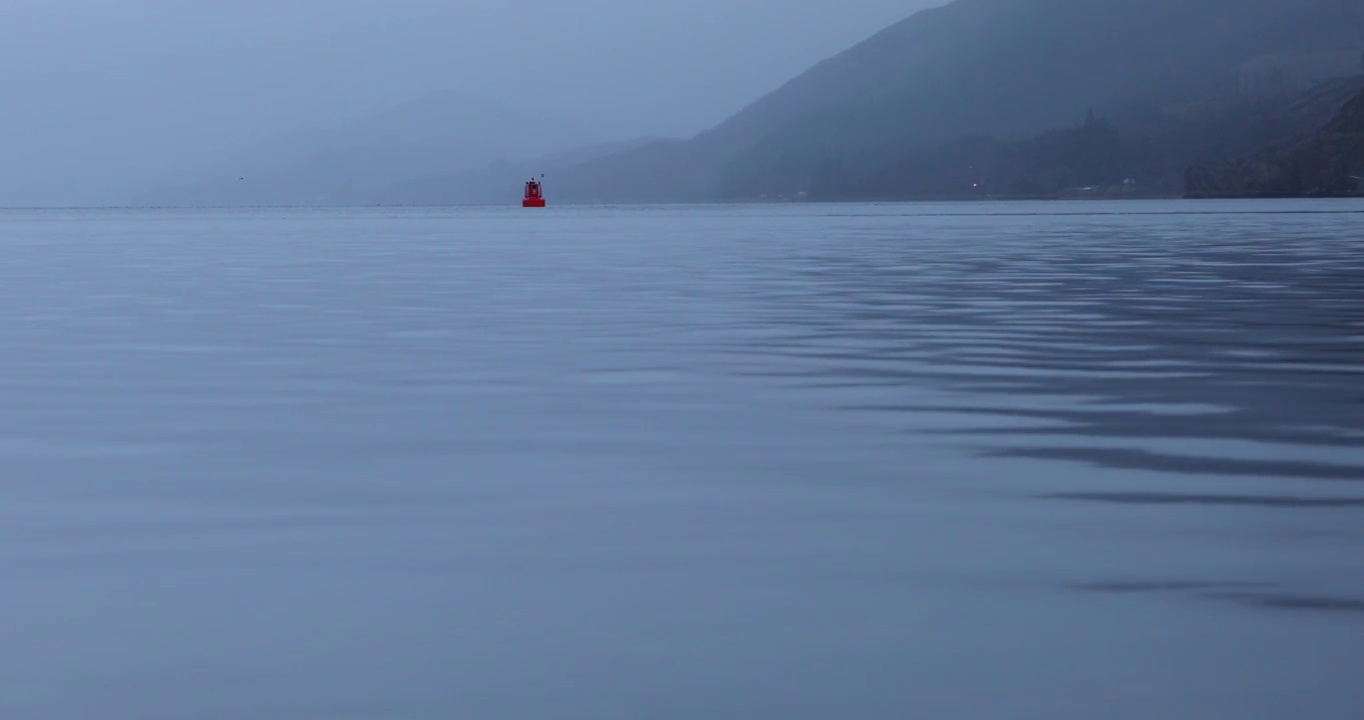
[(1279, 501), (1033, 460), (1247, 593)]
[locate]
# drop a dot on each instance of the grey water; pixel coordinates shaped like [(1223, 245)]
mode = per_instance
[(1035, 460)]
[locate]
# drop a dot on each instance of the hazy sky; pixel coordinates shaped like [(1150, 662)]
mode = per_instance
[(96, 91)]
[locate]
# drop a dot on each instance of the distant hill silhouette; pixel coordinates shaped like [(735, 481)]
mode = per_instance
[(1136, 153), (498, 182), (993, 97), (360, 162), (1329, 164), (1006, 69)]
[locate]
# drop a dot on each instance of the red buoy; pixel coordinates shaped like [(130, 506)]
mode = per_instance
[(535, 196)]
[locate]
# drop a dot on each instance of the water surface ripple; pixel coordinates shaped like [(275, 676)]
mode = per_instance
[(1037, 460)]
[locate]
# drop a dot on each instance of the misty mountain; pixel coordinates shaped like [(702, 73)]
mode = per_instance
[(499, 182), (1135, 153), (1000, 68), (100, 100), (1329, 164), (360, 161)]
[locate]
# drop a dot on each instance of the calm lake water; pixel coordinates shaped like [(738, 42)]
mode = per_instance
[(907, 461)]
